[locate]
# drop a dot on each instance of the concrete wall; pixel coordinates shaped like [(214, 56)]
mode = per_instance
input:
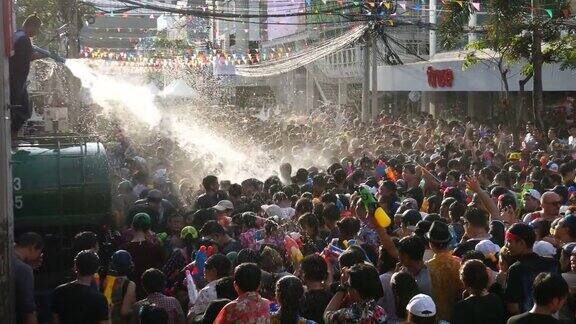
[(413, 77)]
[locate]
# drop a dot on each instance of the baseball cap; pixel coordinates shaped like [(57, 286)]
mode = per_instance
[(544, 249), (552, 166), (487, 248), (223, 205), (421, 305), (189, 230), (534, 194)]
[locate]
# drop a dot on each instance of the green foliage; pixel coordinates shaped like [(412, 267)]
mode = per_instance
[(175, 44), (563, 51), (54, 14), (508, 31), (528, 69), (452, 25), (470, 60), (46, 10)]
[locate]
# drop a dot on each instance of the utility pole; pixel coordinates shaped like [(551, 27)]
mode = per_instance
[(214, 35), (366, 82), (374, 83), (73, 30), (537, 62), (472, 23), (432, 20), (6, 216)]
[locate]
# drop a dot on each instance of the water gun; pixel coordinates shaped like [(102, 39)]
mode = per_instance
[(292, 249), (382, 218), (367, 198), (200, 261), (49, 54), (391, 174), (380, 169), (331, 252), (162, 237)]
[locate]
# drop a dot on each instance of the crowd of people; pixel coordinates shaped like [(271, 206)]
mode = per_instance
[(411, 220)]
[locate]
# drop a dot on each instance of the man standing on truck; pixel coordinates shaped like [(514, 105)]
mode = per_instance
[(19, 69)]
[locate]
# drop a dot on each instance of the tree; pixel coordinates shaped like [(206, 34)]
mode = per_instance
[(515, 32), (62, 22)]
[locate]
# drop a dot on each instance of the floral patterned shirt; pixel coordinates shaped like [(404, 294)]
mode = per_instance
[(248, 308), (367, 312), (447, 288), (368, 235)]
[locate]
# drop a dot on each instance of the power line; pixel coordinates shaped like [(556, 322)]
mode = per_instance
[(213, 14)]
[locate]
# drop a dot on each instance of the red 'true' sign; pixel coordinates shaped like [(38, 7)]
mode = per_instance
[(440, 78)]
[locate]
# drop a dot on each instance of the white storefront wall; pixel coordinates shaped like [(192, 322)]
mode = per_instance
[(480, 77)]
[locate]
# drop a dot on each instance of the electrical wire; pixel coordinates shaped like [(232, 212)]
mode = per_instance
[(307, 56), (213, 13)]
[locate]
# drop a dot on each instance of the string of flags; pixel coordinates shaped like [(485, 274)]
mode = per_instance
[(189, 57)]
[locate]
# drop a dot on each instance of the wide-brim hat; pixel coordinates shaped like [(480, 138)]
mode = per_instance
[(439, 233)]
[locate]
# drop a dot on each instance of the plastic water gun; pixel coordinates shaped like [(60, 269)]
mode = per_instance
[(49, 54), (367, 198), (162, 237), (200, 261), (380, 169), (331, 252), (382, 218), (292, 249), (391, 174), (191, 287)]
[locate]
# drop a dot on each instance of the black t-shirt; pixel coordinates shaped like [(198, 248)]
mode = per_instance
[(479, 309), (79, 304), (24, 302), (314, 304), (521, 276), (20, 63), (207, 201), (531, 318)]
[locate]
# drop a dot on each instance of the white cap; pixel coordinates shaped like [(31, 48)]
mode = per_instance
[(421, 305), (272, 210), (544, 249), (534, 193), (487, 247), (224, 205)]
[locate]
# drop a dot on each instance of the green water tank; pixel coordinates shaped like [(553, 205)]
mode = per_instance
[(60, 181)]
